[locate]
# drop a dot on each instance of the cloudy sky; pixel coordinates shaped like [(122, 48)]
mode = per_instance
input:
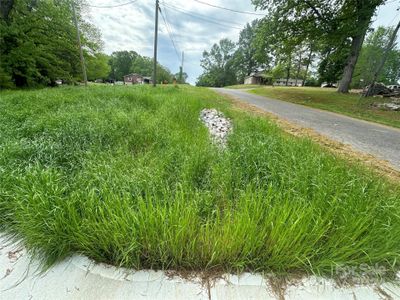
[(194, 27)]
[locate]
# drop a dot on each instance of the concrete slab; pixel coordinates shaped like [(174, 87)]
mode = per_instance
[(80, 278)]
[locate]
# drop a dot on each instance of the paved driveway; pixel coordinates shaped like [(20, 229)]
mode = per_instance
[(378, 140)]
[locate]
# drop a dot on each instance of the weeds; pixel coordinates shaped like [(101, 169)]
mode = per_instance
[(128, 176)]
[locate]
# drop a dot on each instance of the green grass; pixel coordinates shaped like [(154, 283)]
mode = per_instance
[(243, 86), (127, 176), (328, 99)]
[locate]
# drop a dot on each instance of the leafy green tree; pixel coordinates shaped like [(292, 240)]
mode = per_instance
[(38, 41), (371, 54), (184, 77), (97, 66), (143, 65), (5, 80), (245, 59), (163, 74), (121, 63), (333, 21), (332, 62), (218, 65), (126, 62)]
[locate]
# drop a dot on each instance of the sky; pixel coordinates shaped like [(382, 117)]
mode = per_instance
[(193, 26)]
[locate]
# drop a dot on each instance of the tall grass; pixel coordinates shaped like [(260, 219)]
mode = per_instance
[(127, 176)]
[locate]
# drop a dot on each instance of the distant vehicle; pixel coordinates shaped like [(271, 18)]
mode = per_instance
[(99, 81), (58, 82), (394, 87), (328, 85)]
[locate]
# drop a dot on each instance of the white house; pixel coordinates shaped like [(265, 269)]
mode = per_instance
[(257, 78), (290, 82)]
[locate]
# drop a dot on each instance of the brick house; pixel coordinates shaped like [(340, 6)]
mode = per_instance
[(133, 78)]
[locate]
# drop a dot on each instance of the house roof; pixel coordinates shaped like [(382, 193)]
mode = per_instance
[(133, 74), (258, 75)]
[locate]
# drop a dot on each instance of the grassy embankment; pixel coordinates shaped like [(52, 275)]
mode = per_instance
[(242, 86), (127, 176), (328, 99)]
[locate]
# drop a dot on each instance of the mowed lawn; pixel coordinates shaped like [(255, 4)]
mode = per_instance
[(127, 175), (328, 99)]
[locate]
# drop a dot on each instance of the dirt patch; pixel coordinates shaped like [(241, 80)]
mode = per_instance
[(346, 152), (207, 278)]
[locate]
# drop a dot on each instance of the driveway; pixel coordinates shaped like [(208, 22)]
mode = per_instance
[(379, 140)]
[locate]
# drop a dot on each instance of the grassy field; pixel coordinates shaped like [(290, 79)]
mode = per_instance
[(242, 86), (328, 99), (127, 176)]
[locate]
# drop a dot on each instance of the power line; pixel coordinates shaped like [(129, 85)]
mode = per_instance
[(169, 23), (230, 9), (394, 18), (111, 6), (200, 17), (169, 34), (173, 33)]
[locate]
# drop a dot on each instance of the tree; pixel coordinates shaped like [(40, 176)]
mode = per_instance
[(370, 57), (279, 46), (245, 56), (362, 12), (32, 51), (143, 65), (333, 21), (332, 62), (384, 57), (184, 77), (218, 65), (98, 66), (5, 80), (121, 63)]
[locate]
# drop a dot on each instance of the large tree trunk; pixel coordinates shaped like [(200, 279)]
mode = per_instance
[(298, 69), (289, 66), (307, 67), (356, 45), (365, 11)]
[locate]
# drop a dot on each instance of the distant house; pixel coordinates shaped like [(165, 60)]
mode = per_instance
[(290, 82), (133, 78), (147, 80), (257, 78)]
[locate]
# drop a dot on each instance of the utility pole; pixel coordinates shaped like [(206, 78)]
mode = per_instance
[(181, 69), (383, 60), (79, 44), (155, 45)]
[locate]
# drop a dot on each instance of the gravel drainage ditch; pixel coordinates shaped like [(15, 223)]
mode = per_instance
[(218, 126)]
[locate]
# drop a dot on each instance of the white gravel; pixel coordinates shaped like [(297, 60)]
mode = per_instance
[(218, 126), (395, 105)]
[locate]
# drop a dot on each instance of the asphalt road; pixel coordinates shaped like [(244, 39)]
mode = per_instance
[(379, 140)]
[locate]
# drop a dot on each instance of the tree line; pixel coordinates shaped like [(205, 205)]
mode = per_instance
[(38, 46), (315, 41)]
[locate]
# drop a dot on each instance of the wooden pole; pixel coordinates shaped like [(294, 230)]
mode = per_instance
[(181, 70), (155, 45), (79, 44)]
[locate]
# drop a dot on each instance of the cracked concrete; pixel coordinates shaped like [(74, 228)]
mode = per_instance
[(80, 278)]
